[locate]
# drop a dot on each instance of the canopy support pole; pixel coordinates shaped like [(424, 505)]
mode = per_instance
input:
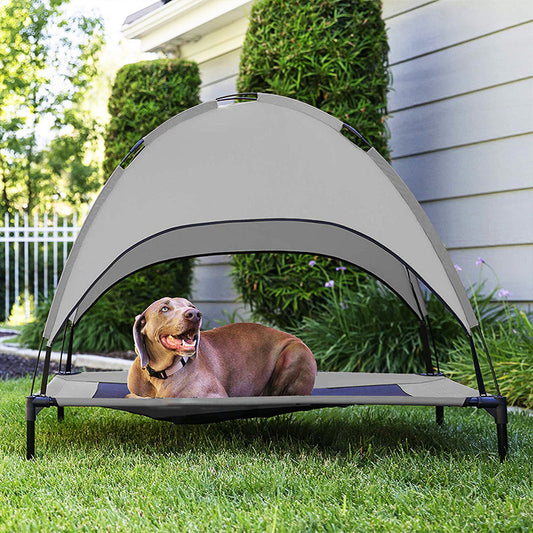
[(477, 369), (46, 368), (426, 350), (68, 366)]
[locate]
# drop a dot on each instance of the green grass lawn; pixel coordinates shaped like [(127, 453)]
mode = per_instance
[(354, 469)]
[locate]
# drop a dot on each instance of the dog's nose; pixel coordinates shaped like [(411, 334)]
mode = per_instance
[(193, 315)]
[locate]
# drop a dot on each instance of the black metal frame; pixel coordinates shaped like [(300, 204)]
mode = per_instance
[(496, 405)]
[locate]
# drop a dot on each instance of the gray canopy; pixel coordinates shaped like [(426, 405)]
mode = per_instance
[(270, 174)]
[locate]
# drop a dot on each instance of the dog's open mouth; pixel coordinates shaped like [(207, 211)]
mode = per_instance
[(184, 343)]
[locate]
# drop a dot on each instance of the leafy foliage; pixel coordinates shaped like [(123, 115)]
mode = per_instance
[(510, 344), (282, 288), (145, 95), (361, 326), (48, 64), (107, 326)]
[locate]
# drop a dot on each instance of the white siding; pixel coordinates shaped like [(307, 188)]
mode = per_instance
[(219, 75), (213, 291), (461, 129)]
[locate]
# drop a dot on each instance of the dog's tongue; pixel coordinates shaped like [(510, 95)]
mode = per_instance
[(171, 342)]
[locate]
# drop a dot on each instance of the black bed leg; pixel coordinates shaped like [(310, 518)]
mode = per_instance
[(31, 415), (501, 428), (60, 414), (439, 411)]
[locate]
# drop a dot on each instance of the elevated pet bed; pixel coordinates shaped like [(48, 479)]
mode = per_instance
[(259, 173)]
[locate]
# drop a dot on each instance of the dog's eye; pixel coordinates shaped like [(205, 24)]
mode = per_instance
[(164, 309)]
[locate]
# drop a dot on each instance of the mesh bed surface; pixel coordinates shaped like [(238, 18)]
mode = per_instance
[(332, 389)]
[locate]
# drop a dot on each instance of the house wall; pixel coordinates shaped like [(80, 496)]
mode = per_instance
[(461, 123), (462, 128)]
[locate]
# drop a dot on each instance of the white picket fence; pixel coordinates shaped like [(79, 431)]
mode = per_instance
[(24, 245)]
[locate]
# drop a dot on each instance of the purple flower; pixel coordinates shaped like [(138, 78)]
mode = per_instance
[(503, 293), (480, 261), (329, 284), (312, 263), (340, 268), (458, 268)]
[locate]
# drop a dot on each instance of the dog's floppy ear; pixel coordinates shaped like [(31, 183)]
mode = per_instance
[(138, 337)]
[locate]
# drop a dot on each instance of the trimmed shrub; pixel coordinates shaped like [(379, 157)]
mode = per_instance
[(331, 54), (144, 95)]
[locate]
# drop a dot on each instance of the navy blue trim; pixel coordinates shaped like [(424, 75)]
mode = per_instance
[(133, 150), (363, 390), (120, 390)]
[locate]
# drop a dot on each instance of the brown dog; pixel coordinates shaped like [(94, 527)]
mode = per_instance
[(174, 360)]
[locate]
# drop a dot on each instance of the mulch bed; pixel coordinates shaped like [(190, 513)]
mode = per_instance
[(16, 366)]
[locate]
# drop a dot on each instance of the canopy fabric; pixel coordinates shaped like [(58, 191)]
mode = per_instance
[(272, 174)]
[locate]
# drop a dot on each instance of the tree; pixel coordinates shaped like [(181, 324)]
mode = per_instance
[(47, 64)]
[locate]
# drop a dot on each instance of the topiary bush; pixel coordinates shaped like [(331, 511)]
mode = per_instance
[(331, 54)]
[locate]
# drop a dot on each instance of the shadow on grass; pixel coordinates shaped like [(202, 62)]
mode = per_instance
[(353, 433)]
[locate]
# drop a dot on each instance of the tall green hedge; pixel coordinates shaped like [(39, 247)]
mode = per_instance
[(331, 54), (144, 95)]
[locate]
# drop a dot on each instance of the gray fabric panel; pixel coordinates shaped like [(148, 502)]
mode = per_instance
[(302, 107), (355, 379), (188, 114), (289, 236), (244, 161), (77, 390), (467, 317), (62, 386), (438, 387), (111, 376)]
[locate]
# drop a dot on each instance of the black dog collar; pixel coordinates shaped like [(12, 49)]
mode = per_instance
[(162, 374)]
